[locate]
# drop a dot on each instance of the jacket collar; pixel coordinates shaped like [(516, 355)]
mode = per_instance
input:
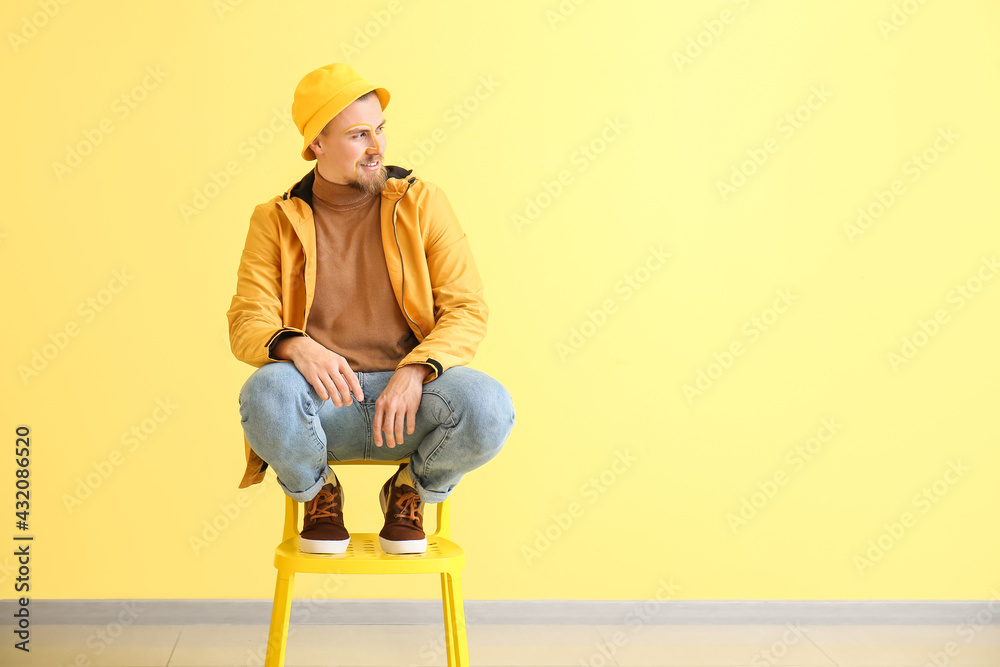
[(395, 184)]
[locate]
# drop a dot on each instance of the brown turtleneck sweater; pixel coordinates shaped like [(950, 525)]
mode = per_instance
[(354, 311)]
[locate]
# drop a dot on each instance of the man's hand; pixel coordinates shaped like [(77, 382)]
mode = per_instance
[(400, 400), (328, 372)]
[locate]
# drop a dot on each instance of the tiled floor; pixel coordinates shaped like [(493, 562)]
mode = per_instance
[(494, 645)]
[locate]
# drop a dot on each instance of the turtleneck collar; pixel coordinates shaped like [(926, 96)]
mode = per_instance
[(336, 196)]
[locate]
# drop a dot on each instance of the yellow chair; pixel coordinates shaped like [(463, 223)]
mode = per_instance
[(365, 556)]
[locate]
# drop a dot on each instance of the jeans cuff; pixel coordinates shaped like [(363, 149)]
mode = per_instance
[(310, 493), (426, 495)]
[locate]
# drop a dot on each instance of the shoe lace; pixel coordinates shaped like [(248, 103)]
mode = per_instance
[(409, 506), (322, 505)]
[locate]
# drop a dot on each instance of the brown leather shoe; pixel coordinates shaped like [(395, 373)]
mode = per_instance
[(403, 532), (323, 529)]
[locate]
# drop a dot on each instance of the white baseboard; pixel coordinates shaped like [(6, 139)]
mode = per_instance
[(519, 612)]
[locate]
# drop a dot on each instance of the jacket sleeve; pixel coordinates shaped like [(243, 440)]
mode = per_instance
[(460, 312), (255, 321)]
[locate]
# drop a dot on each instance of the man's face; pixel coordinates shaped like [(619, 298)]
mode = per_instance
[(351, 148)]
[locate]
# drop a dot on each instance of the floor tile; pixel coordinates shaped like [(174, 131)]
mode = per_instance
[(220, 645), (366, 645), (111, 645), (522, 645), (531, 644), (676, 645), (908, 645)]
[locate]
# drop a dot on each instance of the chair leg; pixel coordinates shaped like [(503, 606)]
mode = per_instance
[(454, 620), (449, 610), (277, 636)]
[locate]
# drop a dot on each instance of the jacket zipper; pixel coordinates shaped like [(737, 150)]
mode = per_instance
[(402, 290)]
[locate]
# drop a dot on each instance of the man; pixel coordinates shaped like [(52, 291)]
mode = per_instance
[(360, 305)]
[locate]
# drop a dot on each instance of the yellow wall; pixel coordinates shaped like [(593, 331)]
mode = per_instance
[(584, 145)]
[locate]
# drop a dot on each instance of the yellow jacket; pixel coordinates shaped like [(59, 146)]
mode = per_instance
[(433, 275)]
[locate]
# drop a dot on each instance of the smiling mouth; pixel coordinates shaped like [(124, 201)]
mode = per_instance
[(371, 166)]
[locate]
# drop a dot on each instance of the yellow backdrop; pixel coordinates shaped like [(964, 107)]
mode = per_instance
[(741, 259)]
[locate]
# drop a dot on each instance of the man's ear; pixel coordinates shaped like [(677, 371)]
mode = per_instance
[(315, 146)]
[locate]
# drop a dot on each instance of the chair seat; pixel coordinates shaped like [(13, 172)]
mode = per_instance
[(364, 555)]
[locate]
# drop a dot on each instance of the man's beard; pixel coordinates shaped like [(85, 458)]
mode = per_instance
[(369, 182)]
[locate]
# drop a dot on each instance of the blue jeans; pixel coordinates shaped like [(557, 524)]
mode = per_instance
[(462, 422)]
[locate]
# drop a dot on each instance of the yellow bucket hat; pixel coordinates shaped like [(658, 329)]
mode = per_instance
[(322, 94)]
